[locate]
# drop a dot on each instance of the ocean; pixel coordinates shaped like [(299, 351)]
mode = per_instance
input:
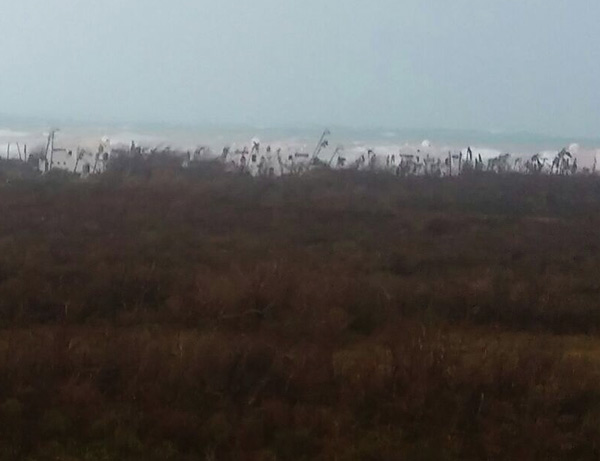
[(353, 141)]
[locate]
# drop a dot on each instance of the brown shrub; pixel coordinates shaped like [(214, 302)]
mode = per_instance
[(158, 313)]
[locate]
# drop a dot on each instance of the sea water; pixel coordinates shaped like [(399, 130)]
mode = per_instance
[(353, 141)]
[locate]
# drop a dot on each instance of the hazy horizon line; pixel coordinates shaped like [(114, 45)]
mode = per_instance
[(82, 122)]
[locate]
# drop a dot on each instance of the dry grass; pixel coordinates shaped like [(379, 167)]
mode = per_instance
[(155, 313)]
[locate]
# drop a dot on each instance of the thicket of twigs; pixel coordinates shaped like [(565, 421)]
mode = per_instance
[(160, 313)]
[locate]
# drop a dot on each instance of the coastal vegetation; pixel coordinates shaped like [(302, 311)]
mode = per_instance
[(155, 312)]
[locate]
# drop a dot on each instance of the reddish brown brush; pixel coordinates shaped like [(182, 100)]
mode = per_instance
[(160, 313)]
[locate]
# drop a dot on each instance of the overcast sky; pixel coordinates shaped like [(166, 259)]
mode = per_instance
[(514, 65)]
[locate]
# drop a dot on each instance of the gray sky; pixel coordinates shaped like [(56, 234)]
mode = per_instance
[(516, 65)]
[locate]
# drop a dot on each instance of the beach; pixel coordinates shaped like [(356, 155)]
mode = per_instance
[(353, 142)]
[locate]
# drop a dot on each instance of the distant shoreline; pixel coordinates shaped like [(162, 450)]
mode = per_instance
[(355, 141)]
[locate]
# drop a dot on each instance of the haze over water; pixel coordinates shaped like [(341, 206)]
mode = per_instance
[(355, 141), (528, 66)]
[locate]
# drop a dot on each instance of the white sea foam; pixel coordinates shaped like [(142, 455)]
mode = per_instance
[(12, 134), (181, 139)]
